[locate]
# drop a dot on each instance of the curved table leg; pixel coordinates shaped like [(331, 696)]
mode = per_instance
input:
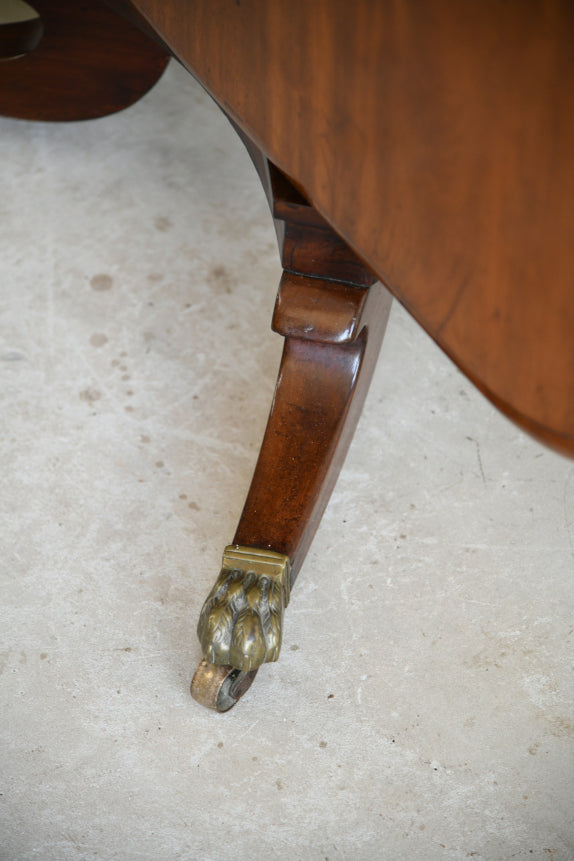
[(333, 331)]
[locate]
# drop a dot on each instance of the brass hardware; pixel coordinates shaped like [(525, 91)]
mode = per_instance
[(219, 688), (241, 622)]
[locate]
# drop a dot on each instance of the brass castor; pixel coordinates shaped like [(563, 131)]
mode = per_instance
[(240, 624), (219, 688)]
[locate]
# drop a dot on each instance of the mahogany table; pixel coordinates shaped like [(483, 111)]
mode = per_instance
[(421, 149)]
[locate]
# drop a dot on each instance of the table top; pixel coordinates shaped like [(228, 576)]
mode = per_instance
[(437, 138)]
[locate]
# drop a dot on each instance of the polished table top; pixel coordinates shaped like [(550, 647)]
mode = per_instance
[(437, 138)]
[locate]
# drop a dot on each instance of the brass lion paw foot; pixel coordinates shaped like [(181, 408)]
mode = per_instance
[(241, 622)]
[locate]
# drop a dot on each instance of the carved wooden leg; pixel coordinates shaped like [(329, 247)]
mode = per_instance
[(333, 330)]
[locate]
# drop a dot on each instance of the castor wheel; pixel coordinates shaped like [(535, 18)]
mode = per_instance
[(219, 688)]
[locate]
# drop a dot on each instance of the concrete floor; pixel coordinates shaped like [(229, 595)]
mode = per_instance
[(423, 704)]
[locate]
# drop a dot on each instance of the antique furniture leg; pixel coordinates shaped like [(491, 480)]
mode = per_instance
[(333, 318)]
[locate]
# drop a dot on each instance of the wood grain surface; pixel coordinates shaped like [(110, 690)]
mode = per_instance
[(437, 138), (88, 62)]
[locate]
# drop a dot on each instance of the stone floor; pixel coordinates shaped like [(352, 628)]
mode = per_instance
[(423, 704)]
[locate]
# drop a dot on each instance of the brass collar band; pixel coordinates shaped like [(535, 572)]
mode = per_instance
[(264, 563)]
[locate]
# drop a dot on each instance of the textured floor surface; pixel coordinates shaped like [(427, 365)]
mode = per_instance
[(423, 704)]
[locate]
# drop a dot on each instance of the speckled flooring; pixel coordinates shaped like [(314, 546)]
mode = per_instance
[(423, 704)]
